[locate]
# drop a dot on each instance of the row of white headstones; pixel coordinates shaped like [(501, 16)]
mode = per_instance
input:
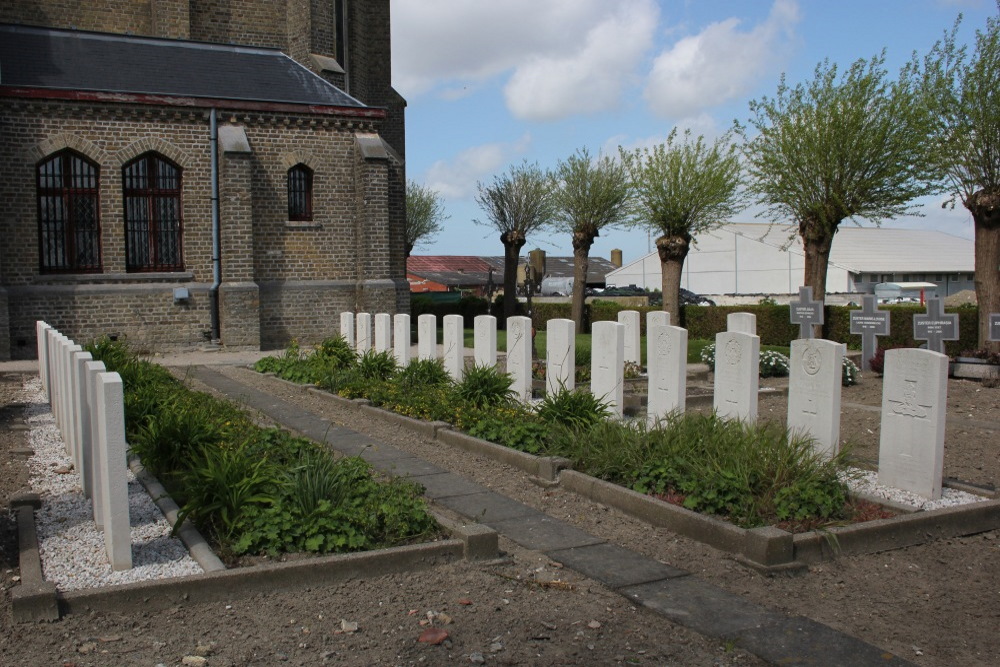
[(89, 409), (911, 448)]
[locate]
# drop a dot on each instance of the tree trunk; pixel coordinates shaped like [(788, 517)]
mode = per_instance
[(582, 241), (672, 251), (985, 209), (816, 243), (512, 241)]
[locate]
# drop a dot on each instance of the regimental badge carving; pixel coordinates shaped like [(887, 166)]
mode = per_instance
[(663, 345), (906, 405), (812, 360), (733, 352)]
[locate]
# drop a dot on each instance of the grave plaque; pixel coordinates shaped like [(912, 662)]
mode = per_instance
[(401, 339), (994, 326), (607, 365), (519, 356), (814, 392), (742, 323), (935, 326), (454, 348), (737, 375), (914, 395), (347, 328), (560, 355), (633, 348), (805, 312), (484, 345), (666, 357), (427, 336), (869, 322)]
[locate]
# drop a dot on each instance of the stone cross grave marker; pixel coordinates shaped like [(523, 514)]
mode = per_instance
[(484, 342), (607, 365), (914, 395), (805, 312), (560, 355), (869, 322), (666, 357), (401, 339), (633, 347), (110, 417), (364, 340), (814, 385), (935, 326), (742, 323), (519, 356), (427, 336), (347, 328), (383, 332), (737, 375), (994, 326), (454, 347)]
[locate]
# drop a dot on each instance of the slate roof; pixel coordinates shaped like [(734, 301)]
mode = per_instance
[(71, 60)]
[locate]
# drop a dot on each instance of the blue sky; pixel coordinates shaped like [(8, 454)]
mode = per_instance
[(491, 83)]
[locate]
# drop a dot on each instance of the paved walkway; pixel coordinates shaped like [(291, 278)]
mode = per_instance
[(669, 591)]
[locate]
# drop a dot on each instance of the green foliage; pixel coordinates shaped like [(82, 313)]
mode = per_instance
[(330, 356), (423, 373), (485, 386), (574, 408), (773, 364), (850, 373), (512, 428), (378, 366), (424, 215)]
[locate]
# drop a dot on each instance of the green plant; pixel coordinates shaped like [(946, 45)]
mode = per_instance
[(423, 373), (850, 373), (484, 386), (378, 366), (773, 364), (573, 408), (631, 370), (511, 429), (316, 477)]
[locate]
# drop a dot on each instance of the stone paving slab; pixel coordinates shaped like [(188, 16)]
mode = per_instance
[(613, 565), (488, 507), (410, 466), (448, 485), (803, 641), (543, 533)]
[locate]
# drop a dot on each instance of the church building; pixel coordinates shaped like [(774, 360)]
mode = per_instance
[(179, 172)]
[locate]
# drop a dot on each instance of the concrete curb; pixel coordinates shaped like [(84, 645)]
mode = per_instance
[(35, 598)]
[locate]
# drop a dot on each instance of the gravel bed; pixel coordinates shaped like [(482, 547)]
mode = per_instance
[(866, 482), (71, 547)]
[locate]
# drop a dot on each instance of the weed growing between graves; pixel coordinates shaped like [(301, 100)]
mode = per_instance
[(259, 490)]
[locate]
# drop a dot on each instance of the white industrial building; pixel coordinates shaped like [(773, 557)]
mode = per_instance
[(761, 259)]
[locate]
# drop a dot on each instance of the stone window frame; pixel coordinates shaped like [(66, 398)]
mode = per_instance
[(154, 261), (300, 193), (71, 197)]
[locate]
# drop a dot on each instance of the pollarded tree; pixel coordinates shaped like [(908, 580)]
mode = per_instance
[(683, 187), (590, 196), (963, 93), (517, 204), (424, 215), (834, 148)]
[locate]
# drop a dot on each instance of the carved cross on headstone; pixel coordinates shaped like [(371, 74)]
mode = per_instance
[(805, 312), (994, 326), (869, 322), (935, 326)]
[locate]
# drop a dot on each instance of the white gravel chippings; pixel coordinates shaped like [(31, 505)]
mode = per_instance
[(71, 547)]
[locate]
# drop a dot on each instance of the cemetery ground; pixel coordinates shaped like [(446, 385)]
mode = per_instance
[(934, 604)]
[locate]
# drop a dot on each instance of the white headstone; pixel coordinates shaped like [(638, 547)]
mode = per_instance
[(914, 399), (560, 355), (71, 402), (94, 369), (454, 347), (607, 364), (383, 332), (401, 339), (347, 329), (51, 351), (815, 372), (655, 317), (364, 335), (111, 426), (519, 355), (742, 323), (737, 375), (427, 336), (666, 358), (41, 339), (633, 347), (83, 447), (484, 342), (59, 380)]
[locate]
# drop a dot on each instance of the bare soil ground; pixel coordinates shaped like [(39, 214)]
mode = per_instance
[(935, 604)]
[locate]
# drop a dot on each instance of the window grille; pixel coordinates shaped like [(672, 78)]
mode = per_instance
[(69, 229), (153, 225), (300, 193)]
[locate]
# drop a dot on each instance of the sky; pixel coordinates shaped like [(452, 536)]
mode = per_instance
[(490, 84)]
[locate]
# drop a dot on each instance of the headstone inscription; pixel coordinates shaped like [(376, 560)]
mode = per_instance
[(655, 317), (454, 349), (935, 326), (364, 339), (814, 385), (519, 356), (560, 355), (666, 357), (914, 397), (633, 347), (427, 336), (347, 328), (607, 365), (869, 322), (401, 339), (805, 312), (383, 332), (742, 323), (737, 375), (484, 344)]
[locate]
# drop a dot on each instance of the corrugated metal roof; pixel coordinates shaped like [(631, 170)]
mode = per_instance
[(558, 267), (72, 60)]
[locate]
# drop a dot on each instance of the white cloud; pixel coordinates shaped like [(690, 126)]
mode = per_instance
[(591, 77), (719, 64), (456, 178)]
